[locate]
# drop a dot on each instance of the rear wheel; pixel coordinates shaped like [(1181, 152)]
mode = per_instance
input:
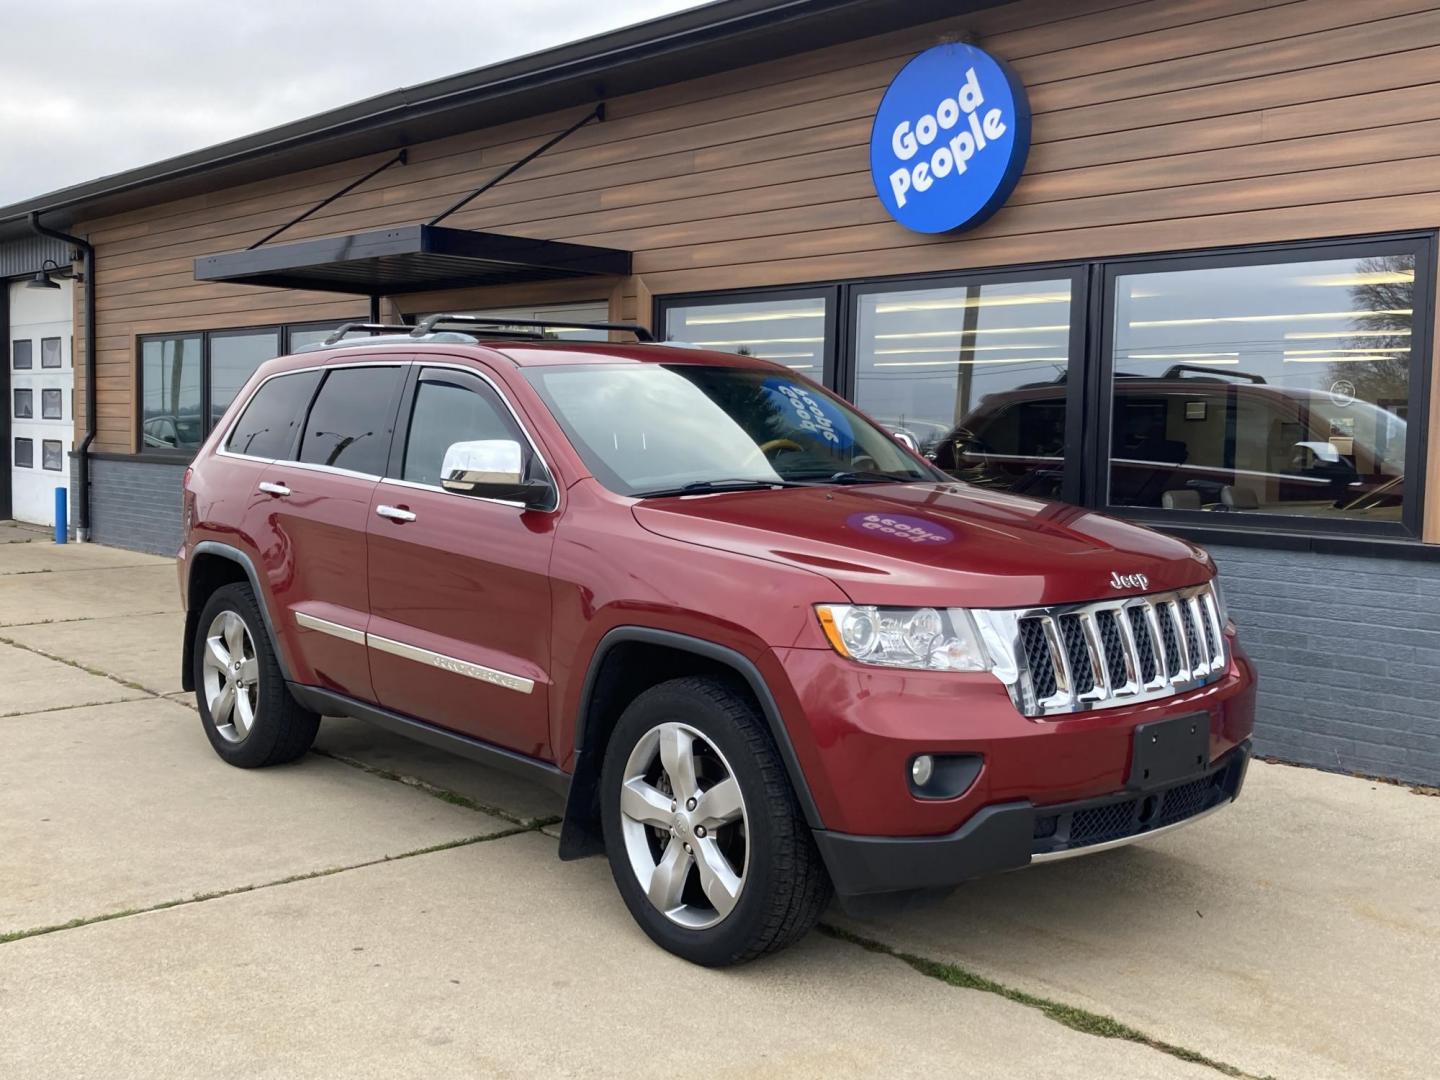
[(245, 706), (705, 839)]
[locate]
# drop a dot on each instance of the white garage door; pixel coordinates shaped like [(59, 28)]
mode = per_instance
[(42, 398)]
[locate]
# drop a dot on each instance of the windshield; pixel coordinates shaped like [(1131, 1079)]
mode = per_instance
[(658, 429)]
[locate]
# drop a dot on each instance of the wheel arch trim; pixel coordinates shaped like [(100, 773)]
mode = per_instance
[(192, 612), (573, 838)]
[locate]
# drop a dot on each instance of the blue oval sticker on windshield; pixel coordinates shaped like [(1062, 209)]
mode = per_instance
[(811, 412), (901, 527)]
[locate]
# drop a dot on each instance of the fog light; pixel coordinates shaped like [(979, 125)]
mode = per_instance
[(922, 769), (943, 776)]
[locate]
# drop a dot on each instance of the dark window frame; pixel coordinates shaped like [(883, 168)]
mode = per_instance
[(832, 295), (46, 444), (1091, 332), (209, 361), (45, 392), (59, 353), (15, 393), (282, 337), (15, 451), (30, 364), (1075, 273), (1421, 246), (179, 452)]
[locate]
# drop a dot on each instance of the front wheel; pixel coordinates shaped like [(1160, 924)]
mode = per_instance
[(705, 839)]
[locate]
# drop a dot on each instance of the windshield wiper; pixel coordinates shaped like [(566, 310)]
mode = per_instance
[(701, 487), (861, 476)]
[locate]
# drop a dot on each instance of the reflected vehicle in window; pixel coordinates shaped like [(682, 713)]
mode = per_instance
[(171, 432), (1278, 388), (763, 651), (1174, 444), (932, 363)]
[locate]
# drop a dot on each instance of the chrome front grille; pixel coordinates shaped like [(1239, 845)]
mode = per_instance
[(1075, 657)]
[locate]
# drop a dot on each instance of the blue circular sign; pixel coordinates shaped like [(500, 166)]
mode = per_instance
[(949, 140)]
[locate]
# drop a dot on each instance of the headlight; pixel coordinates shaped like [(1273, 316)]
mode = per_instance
[(932, 639)]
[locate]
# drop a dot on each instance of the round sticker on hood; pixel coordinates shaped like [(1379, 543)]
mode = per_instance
[(814, 413), (901, 528)]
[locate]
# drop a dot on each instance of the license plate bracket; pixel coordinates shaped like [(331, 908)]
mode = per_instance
[(1165, 751)]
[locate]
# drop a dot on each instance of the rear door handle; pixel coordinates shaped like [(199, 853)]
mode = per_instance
[(394, 513), (274, 489)]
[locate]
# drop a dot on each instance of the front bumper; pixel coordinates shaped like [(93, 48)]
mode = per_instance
[(1009, 835)]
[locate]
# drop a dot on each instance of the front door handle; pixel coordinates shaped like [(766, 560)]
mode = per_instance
[(394, 513), (274, 489)]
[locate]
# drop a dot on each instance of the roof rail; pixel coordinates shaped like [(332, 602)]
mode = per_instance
[(427, 325), (1174, 371), (364, 327)]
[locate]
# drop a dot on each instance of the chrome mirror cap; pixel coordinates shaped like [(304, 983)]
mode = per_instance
[(468, 465), (905, 439)]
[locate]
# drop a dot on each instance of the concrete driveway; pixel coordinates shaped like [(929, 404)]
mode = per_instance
[(379, 909)]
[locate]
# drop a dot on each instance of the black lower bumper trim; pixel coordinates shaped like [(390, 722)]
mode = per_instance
[(1005, 836)]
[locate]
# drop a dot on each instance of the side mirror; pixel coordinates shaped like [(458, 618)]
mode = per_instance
[(905, 439), (491, 469)]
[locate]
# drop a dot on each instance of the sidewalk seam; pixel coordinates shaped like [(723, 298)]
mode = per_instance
[(127, 683), (200, 898), (1071, 1016), (435, 791)]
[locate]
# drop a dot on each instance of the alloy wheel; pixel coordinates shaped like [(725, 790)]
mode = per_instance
[(231, 676), (684, 825)]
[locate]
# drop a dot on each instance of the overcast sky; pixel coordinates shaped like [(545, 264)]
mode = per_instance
[(90, 87)]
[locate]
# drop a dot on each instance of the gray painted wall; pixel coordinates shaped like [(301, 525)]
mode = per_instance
[(133, 504), (1348, 651), (1348, 648)]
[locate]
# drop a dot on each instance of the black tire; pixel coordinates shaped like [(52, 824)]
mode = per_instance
[(785, 887), (282, 730)]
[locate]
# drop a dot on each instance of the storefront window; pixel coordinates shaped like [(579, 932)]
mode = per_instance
[(976, 374), (1278, 388), (789, 331), (171, 417), (234, 356)]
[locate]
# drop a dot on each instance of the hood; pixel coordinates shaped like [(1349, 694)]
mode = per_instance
[(943, 545)]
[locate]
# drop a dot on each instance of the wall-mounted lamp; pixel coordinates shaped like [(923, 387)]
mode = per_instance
[(42, 278)]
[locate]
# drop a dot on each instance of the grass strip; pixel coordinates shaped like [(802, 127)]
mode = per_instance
[(129, 684), (200, 898), (1082, 1020), (454, 798)]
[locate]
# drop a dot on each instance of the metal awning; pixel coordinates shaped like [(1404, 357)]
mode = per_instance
[(411, 258)]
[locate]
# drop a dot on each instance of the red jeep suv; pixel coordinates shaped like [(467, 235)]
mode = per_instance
[(764, 650)]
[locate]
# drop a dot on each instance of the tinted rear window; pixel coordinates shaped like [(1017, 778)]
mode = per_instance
[(267, 427), (352, 419)]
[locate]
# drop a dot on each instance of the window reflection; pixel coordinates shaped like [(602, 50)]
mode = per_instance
[(786, 331), (170, 415), (234, 356), (976, 374), (1280, 388)]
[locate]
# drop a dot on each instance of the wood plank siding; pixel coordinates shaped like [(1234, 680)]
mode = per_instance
[(1159, 125)]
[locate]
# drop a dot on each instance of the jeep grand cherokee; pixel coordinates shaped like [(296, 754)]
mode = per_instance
[(764, 650)]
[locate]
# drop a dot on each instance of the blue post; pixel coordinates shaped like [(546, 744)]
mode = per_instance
[(62, 517)]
